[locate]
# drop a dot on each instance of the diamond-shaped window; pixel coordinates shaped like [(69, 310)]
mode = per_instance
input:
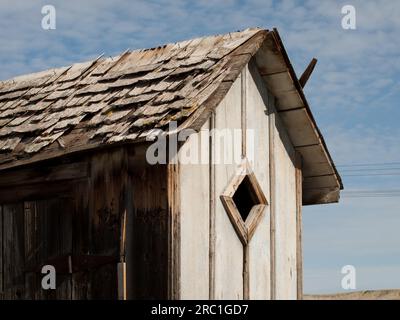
[(244, 201), (245, 198)]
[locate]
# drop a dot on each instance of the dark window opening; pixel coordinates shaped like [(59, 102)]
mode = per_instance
[(245, 198)]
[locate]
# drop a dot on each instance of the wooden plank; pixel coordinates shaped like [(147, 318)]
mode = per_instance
[(212, 209), (246, 273), (148, 240), (299, 127), (13, 254), (258, 157), (285, 214), (269, 58), (103, 282), (235, 218), (80, 218), (42, 174), (121, 281), (31, 239), (106, 202), (173, 232), (320, 196), (243, 102), (195, 218), (127, 254), (299, 228), (289, 100), (272, 191), (320, 182), (122, 285), (229, 248), (106, 207), (1, 248), (80, 285), (314, 160), (279, 82), (54, 240), (307, 73)]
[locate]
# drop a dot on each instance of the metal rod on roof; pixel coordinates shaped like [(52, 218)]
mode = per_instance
[(307, 73)]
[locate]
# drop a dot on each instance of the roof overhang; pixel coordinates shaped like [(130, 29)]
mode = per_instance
[(321, 180)]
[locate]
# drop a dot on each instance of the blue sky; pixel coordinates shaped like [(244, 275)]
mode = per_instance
[(354, 93)]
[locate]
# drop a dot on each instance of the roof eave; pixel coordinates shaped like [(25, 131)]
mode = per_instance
[(318, 194)]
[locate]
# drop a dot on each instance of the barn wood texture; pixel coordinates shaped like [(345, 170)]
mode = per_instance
[(76, 190)]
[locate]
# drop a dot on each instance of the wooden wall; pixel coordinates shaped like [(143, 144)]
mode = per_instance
[(37, 228), (69, 214), (205, 226)]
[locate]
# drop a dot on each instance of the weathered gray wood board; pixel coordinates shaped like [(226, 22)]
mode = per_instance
[(257, 123), (1, 250), (285, 228), (228, 248), (147, 234), (43, 226), (13, 251), (195, 218)]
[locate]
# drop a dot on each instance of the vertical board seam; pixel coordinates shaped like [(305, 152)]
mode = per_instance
[(212, 209), (299, 244), (173, 232), (1, 249), (272, 200), (243, 105)]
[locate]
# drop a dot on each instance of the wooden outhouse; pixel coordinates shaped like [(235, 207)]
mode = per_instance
[(80, 190)]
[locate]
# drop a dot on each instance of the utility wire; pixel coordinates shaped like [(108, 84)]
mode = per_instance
[(372, 196), (372, 174), (373, 193), (368, 164), (369, 169)]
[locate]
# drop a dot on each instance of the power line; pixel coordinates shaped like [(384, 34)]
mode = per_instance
[(369, 169), (373, 193), (372, 196), (371, 174), (368, 164), (371, 190)]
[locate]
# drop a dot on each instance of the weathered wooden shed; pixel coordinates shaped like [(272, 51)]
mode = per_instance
[(78, 192)]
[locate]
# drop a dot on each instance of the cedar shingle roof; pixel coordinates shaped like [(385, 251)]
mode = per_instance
[(112, 100)]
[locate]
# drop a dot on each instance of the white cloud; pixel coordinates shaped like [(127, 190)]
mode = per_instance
[(363, 144)]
